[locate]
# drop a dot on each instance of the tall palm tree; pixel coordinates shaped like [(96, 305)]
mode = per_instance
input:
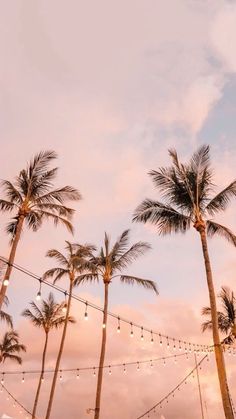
[(33, 200), (10, 348), (70, 266), (226, 317), (48, 316), (3, 315), (108, 265), (186, 192)]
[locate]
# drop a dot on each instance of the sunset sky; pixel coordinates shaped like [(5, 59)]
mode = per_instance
[(110, 86)]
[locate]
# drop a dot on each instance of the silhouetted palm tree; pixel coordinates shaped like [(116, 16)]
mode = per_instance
[(48, 316), (108, 265), (10, 348), (33, 200), (226, 317), (186, 192), (70, 266)]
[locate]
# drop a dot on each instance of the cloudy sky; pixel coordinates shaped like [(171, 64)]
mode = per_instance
[(111, 86)]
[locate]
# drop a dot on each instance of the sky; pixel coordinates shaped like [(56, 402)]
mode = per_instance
[(110, 86)]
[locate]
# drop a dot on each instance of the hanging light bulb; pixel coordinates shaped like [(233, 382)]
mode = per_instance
[(38, 296), (138, 366), (6, 282), (180, 348), (109, 370), (175, 358), (94, 372), (60, 375), (152, 340), (151, 364), (104, 325), (118, 327), (2, 380), (131, 330), (42, 379), (164, 362), (160, 340), (174, 347), (23, 378), (86, 311), (77, 375), (124, 369), (64, 308), (142, 337), (167, 342)]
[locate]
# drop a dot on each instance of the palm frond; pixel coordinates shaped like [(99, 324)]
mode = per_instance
[(121, 244), (12, 357), (7, 206), (215, 228), (84, 278), (228, 302), (57, 273), (136, 250), (145, 283), (222, 199), (57, 219), (165, 217), (12, 192), (6, 318), (33, 220), (60, 195), (54, 253)]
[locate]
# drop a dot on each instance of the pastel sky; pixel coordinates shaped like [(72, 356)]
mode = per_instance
[(111, 86)]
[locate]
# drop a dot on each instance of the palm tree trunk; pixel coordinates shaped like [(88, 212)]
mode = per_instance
[(54, 381), (41, 377), (215, 329), (11, 258), (102, 354)]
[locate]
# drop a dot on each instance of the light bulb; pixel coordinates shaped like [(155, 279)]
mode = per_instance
[(38, 296), (104, 326), (64, 309), (118, 329), (6, 282)]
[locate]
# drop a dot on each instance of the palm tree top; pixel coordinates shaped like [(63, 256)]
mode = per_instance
[(226, 317), (186, 191), (48, 315), (32, 194), (114, 259), (74, 260), (10, 347)]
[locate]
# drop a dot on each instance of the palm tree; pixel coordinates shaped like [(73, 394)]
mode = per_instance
[(33, 200), (70, 265), (3, 315), (48, 316), (10, 347), (226, 317), (108, 265), (186, 192)]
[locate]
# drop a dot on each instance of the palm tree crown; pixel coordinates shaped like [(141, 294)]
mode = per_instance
[(10, 347), (48, 316), (32, 196), (112, 260), (186, 191), (72, 263), (226, 317)]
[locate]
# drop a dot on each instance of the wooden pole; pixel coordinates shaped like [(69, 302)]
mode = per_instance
[(199, 386)]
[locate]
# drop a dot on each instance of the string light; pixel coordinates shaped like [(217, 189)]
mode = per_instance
[(94, 372), (109, 370), (138, 366), (56, 287), (64, 308), (39, 295), (2, 380), (15, 401), (77, 375), (124, 369), (86, 311), (6, 282), (131, 330), (23, 378), (142, 337), (171, 393), (118, 327), (152, 340)]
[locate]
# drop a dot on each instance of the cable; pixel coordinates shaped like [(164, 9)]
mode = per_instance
[(15, 400), (177, 343), (138, 363), (171, 393)]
